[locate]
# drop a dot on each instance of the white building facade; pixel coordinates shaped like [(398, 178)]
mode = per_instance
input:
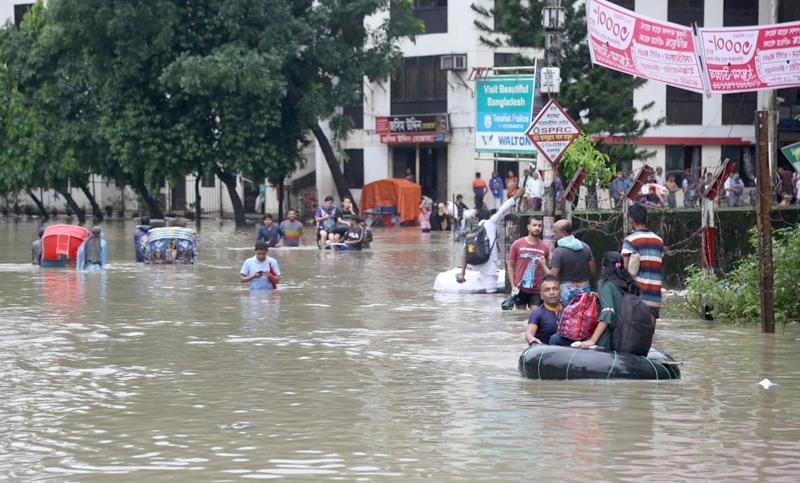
[(432, 92)]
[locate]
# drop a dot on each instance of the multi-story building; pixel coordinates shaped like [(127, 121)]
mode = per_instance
[(432, 87)]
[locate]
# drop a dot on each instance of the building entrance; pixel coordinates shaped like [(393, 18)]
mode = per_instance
[(428, 164)]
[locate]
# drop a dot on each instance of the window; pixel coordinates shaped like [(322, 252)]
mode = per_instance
[(433, 13), (739, 108), (356, 112), (684, 107), (686, 12), (419, 87), (739, 13), (683, 158), (20, 11), (209, 181), (503, 59), (354, 168)]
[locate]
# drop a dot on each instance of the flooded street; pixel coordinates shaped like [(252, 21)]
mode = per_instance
[(354, 370)]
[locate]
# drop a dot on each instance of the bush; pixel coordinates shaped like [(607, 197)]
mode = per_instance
[(735, 299)]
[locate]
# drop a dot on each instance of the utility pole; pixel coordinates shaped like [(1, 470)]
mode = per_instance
[(763, 217), (553, 21)]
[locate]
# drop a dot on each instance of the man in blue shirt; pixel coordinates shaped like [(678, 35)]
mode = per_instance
[(543, 321), (261, 272), (93, 252), (270, 232)]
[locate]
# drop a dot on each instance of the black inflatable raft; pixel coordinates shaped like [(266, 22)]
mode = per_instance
[(558, 362)]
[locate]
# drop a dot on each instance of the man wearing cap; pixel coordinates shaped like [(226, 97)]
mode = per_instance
[(36, 248), (141, 232), (93, 251)]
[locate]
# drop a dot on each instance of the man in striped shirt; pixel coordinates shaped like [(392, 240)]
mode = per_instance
[(650, 249)]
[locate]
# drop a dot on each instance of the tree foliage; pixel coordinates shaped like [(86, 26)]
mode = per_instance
[(155, 90), (735, 298), (598, 99), (583, 154)]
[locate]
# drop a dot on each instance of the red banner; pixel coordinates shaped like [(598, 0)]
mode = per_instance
[(624, 41), (741, 59)]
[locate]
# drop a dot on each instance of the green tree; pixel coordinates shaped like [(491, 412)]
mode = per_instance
[(50, 103), (339, 52), (598, 99)]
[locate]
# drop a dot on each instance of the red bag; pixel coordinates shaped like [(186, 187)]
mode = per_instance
[(579, 318)]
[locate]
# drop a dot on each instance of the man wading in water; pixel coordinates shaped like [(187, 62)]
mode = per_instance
[(93, 251)]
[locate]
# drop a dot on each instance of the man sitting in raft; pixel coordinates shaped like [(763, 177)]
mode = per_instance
[(261, 272), (543, 322), (488, 270), (93, 252)]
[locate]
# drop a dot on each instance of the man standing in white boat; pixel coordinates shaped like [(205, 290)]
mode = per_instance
[(488, 270)]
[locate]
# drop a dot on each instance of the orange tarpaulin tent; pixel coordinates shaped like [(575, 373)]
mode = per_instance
[(398, 192)]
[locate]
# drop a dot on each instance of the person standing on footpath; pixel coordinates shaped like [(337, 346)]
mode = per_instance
[(261, 272), (511, 184), (496, 187), (488, 270), (479, 188), (672, 188), (141, 232), (571, 261), (534, 190), (617, 189), (649, 248), (522, 265)]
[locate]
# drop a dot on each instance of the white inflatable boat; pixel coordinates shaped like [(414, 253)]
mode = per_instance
[(446, 282)]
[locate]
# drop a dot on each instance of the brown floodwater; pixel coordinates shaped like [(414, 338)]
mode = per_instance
[(354, 370)]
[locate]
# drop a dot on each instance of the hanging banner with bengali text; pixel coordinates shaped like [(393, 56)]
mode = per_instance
[(652, 49), (742, 59)]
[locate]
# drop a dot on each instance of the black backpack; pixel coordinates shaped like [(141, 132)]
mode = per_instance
[(477, 250), (634, 331)]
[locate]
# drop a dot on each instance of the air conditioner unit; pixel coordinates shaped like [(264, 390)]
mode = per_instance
[(453, 62)]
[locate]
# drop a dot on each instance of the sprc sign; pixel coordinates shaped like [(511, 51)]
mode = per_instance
[(504, 105)]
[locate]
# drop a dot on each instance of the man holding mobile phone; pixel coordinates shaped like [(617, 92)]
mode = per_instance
[(261, 272)]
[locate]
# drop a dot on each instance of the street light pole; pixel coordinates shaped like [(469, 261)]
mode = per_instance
[(553, 21)]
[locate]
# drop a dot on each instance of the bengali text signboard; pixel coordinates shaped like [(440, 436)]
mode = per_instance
[(624, 41), (741, 59), (503, 112), (552, 131)]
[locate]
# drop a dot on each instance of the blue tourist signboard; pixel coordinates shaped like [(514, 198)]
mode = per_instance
[(504, 112)]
